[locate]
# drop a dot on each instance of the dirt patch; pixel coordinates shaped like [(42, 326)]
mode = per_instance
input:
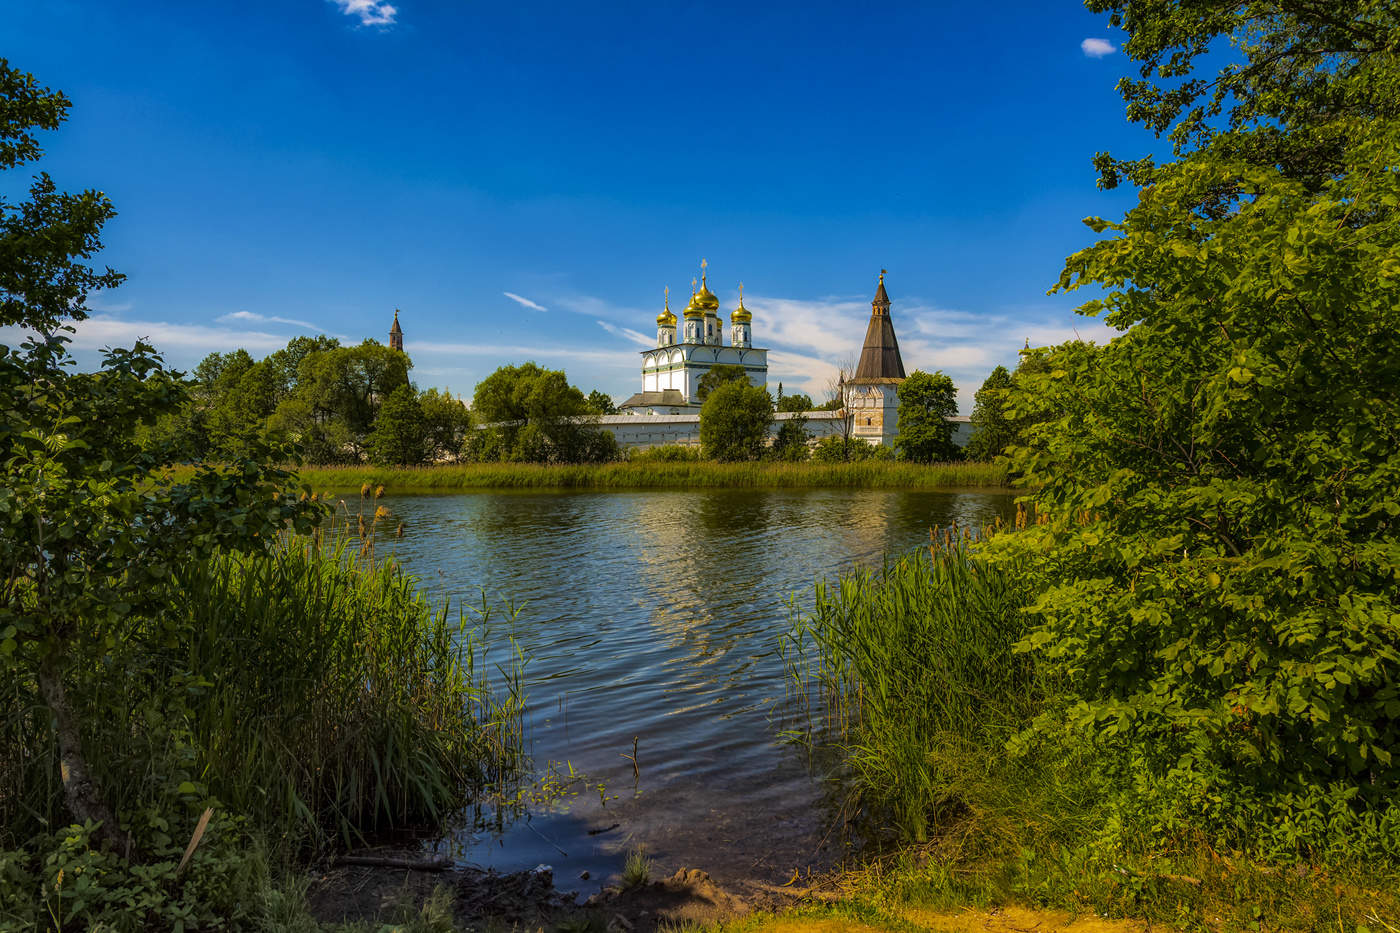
[(689, 896), (526, 899)]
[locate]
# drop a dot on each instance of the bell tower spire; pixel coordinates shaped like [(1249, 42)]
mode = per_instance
[(396, 334)]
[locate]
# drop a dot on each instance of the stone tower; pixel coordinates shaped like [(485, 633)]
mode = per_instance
[(874, 389), (396, 334)]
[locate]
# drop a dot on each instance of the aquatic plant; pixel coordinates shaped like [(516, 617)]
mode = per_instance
[(646, 473), (909, 673)]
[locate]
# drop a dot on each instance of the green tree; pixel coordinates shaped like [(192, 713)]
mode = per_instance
[(601, 403), (734, 421), (717, 376), (287, 361), (992, 428), (400, 430), (790, 443), (446, 422), (91, 521), (346, 385), (1217, 484), (532, 414), (798, 402), (926, 402)]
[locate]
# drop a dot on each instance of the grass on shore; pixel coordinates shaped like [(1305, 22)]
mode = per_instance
[(869, 474)]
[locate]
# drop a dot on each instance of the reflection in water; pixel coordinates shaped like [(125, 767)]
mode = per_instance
[(656, 615)]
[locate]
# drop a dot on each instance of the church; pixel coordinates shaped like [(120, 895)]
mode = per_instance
[(671, 372), (667, 410)]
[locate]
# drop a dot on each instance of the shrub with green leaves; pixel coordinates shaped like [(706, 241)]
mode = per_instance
[(1220, 552)]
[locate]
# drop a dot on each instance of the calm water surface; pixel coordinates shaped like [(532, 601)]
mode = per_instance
[(657, 615)]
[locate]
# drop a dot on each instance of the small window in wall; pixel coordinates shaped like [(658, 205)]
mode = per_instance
[(867, 420)]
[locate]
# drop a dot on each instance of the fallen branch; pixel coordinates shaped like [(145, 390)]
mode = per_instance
[(407, 864)]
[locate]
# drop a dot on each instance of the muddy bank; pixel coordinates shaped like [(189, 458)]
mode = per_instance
[(478, 898)]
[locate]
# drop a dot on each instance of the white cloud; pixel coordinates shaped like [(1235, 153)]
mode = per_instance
[(507, 354), (95, 302), (1097, 48), (370, 12), (628, 333), (524, 302), (180, 341), (252, 317)]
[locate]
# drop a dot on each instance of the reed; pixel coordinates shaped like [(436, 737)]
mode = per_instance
[(313, 689), (908, 675), (657, 474)]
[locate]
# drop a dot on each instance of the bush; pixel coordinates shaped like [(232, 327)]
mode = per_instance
[(665, 453), (734, 421)]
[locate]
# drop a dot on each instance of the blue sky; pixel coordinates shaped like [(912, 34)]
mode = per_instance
[(522, 180)]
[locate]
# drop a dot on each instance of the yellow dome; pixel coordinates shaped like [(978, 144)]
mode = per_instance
[(741, 314), (693, 309), (706, 300), (666, 318)]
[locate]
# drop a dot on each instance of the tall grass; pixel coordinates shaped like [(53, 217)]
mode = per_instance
[(311, 689), (909, 673), (645, 474)]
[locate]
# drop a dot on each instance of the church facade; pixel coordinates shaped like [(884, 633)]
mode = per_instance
[(672, 370)]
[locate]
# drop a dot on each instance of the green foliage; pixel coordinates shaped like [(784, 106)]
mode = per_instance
[(992, 428), (400, 430), (601, 403), (664, 453), (44, 240), (926, 402), (636, 869), (911, 673), (345, 386), (717, 376), (791, 441), (836, 449), (1219, 553), (533, 415), (64, 881), (674, 468), (798, 402), (734, 420), (91, 522), (446, 422)]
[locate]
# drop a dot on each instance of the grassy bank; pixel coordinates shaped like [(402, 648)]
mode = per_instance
[(649, 475), (295, 701), (944, 742)]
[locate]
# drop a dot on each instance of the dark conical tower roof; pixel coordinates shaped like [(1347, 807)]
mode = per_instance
[(879, 358)]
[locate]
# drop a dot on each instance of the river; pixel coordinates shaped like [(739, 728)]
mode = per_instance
[(656, 615)]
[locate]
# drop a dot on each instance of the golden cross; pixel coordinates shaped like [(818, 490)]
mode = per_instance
[(693, 282), (741, 293)]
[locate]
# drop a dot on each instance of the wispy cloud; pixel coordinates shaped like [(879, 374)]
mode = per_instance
[(179, 341), (252, 317), (96, 302), (525, 302), (505, 354), (628, 333), (1097, 48), (370, 12)]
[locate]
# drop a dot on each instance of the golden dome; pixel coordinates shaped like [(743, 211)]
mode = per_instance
[(666, 318), (706, 299), (741, 314), (693, 309)]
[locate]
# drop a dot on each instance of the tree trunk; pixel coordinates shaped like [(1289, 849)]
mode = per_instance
[(80, 790)]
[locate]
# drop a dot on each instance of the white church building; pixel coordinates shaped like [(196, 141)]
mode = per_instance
[(667, 410), (671, 372)]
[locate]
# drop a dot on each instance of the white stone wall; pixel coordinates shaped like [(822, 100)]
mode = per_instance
[(644, 431)]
